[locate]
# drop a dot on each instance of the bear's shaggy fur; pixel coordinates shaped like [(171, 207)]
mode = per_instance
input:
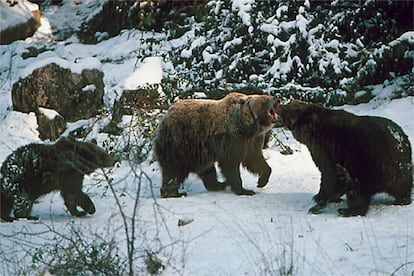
[(37, 169), (356, 155), (196, 133)]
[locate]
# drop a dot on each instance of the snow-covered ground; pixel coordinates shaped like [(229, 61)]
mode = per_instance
[(269, 233), (258, 235)]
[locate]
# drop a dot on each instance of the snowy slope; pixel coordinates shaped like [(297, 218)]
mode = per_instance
[(269, 233)]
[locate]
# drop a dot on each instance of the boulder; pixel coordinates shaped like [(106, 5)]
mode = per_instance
[(74, 96)]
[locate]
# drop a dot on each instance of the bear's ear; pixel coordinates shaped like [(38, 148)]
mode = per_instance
[(93, 141)]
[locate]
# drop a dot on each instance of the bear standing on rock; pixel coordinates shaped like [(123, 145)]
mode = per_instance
[(37, 169), (356, 155), (196, 133)]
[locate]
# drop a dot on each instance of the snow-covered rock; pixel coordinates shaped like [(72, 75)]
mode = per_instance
[(60, 89)]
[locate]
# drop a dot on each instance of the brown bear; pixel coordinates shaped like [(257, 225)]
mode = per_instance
[(356, 155), (37, 169), (196, 133)]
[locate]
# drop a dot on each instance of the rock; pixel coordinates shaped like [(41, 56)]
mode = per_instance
[(50, 124), (74, 96), (184, 221), (19, 20)]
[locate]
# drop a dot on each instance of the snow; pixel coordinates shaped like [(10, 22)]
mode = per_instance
[(281, 69), (43, 33), (19, 13), (232, 43), (208, 57), (69, 16), (17, 129), (76, 67), (150, 72), (302, 24), (407, 36), (89, 88), (243, 7), (206, 233), (49, 113), (281, 10), (195, 44), (199, 95)]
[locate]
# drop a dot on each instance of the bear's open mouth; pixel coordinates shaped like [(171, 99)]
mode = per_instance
[(272, 114)]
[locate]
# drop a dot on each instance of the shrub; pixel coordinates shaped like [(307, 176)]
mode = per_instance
[(77, 254), (268, 44)]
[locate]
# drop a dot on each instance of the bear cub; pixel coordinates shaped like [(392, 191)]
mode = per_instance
[(37, 169), (357, 155)]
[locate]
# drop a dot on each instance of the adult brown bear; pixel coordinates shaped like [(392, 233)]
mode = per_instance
[(37, 169), (356, 155), (196, 133)]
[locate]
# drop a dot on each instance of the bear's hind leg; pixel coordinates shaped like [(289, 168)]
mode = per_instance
[(402, 191), (6, 207), (209, 178), (403, 200), (358, 204), (171, 182)]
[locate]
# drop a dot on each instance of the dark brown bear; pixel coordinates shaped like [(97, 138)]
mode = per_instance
[(356, 155), (37, 169), (196, 133)]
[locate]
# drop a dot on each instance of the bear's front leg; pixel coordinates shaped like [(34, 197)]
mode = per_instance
[(320, 204), (322, 198), (329, 189), (23, 206), (255, 162), (85, 202), (71, 200), (231, 171), (264, 176)]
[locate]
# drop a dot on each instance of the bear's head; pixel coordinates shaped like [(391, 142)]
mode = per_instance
[(263, 109), (85, 157), (298, 114)]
